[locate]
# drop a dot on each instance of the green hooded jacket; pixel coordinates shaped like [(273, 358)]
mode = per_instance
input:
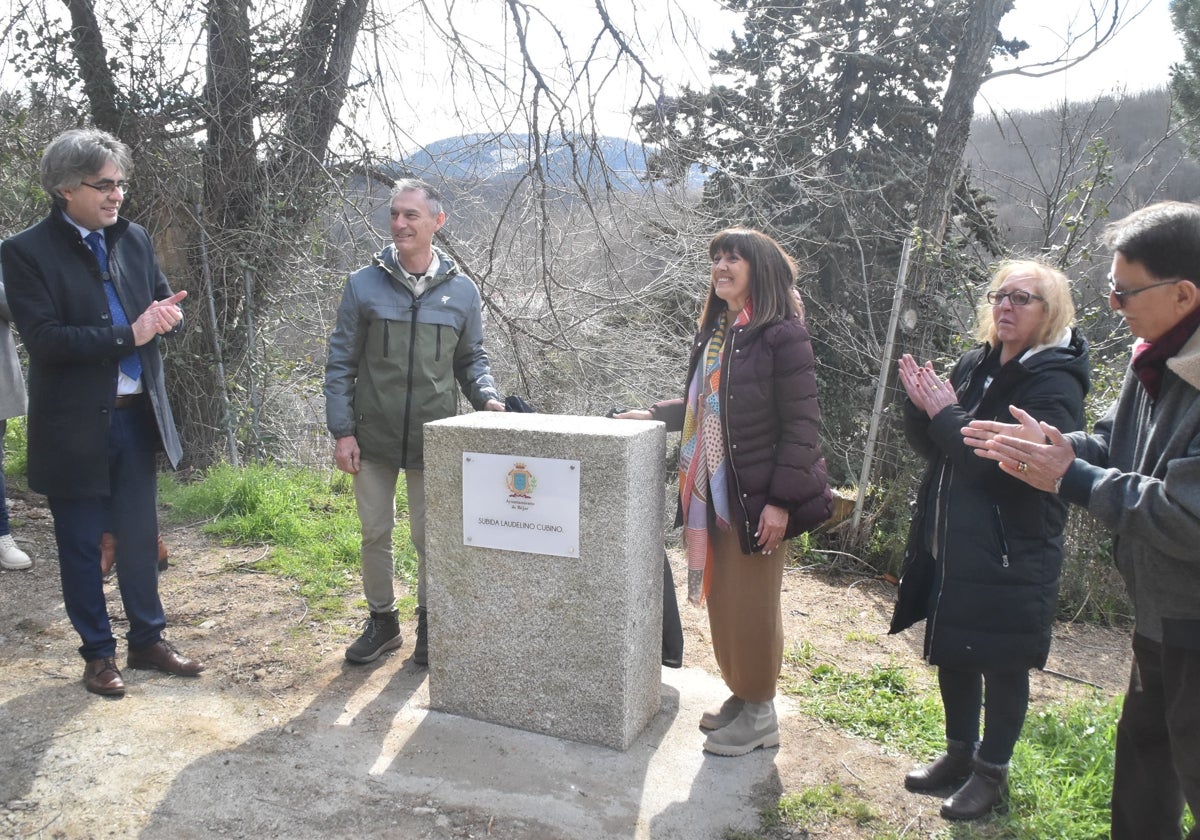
[(394, 358)]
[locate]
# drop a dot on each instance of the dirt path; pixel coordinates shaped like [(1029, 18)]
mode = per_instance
[(280, 738)]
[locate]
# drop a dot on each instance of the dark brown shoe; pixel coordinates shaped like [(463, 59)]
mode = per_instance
[(160, 656), (101, 676), (950, 769), (986, 789), (108, 553)]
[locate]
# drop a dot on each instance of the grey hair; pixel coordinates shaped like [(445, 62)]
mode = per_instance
[(78, 153), (432, 197)]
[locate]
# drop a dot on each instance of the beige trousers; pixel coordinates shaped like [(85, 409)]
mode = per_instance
[(375, 496), (744, 616)]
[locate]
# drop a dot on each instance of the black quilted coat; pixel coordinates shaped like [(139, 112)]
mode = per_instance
[(984, 550)]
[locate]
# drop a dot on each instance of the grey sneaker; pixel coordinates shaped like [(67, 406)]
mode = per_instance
[(723, 715), (381, 633)]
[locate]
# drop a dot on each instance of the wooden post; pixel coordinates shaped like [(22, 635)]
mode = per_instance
[(881, 389)]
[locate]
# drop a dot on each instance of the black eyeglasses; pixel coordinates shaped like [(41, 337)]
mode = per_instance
[(1120, 297), (1017, 297), (107, 187)]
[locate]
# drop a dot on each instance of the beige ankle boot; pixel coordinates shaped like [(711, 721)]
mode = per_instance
[(756, 726), (723, 715)]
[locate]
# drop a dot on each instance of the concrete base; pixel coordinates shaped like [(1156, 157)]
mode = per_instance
[(566, 646)]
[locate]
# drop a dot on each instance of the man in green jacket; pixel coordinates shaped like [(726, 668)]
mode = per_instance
[(409, 324)]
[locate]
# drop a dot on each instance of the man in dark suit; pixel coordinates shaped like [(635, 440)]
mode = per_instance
[(90, 303)]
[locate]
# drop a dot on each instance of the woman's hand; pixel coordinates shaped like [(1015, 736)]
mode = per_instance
[(924, 387), (634, 414), (910, 379), (772, 525)]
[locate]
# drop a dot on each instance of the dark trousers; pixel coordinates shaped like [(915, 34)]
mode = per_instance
[(1158, 744), (1004, 696), (130, 513)]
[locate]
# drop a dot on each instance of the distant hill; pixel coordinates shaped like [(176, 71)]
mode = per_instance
[(501, 159), (1034, 164)]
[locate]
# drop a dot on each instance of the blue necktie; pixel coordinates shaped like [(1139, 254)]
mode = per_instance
[(131, 365)]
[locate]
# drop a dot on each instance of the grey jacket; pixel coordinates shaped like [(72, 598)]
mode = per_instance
[(1138, 473), (394, 358), (12, 383)]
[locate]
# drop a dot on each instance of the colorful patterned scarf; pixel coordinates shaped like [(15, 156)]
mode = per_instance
[(703, 469)]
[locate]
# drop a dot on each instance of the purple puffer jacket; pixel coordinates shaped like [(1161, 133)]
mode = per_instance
[(770, 420)]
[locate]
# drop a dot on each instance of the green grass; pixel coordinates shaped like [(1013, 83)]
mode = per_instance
[(819, 803), (305, 518), (881, 705), (14, 448), (861, 636)]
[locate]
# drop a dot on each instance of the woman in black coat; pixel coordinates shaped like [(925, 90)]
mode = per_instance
[(985, 550), (751, 471)]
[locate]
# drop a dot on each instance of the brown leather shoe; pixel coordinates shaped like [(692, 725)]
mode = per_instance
[(108, 553), (161, 656), (101, 676)]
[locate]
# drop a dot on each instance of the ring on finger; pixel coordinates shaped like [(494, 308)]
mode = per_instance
[(1022, 466)]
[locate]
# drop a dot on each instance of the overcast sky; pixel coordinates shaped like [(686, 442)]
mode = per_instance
[(1138, 58), (677, 36), (409, 102)]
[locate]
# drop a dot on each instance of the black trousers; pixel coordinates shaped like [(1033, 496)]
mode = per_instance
[(1004, 696), (672, 634), (1158, 744)]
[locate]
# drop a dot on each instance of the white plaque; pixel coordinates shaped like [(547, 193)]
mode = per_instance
[(516, 503)]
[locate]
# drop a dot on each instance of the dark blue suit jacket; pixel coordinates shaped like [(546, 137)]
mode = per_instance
[(56, 293)]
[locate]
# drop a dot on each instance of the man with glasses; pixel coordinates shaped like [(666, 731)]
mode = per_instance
[(91, 305), (1139, 474)]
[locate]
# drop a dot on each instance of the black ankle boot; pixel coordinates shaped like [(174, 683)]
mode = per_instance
[(987, 788), (950, 769)]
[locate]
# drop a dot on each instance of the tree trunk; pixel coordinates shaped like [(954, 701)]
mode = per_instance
[(980, 32), (98, 84)]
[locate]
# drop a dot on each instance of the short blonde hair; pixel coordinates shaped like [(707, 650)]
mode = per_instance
[(1052, 285)]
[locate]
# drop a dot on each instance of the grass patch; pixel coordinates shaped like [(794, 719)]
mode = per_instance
[(819, 805), (307, 518), (15, 460), (860, 636), (880, 705)]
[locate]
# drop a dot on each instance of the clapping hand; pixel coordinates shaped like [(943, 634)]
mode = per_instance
[(925, 388), (1035, 452)]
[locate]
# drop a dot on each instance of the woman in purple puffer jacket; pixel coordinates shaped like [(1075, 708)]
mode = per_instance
[(751, 472)]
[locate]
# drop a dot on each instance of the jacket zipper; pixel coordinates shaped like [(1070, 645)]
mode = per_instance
[(437, 356), (408, 393), (938, 540), (1003, 540), (726, 365)]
